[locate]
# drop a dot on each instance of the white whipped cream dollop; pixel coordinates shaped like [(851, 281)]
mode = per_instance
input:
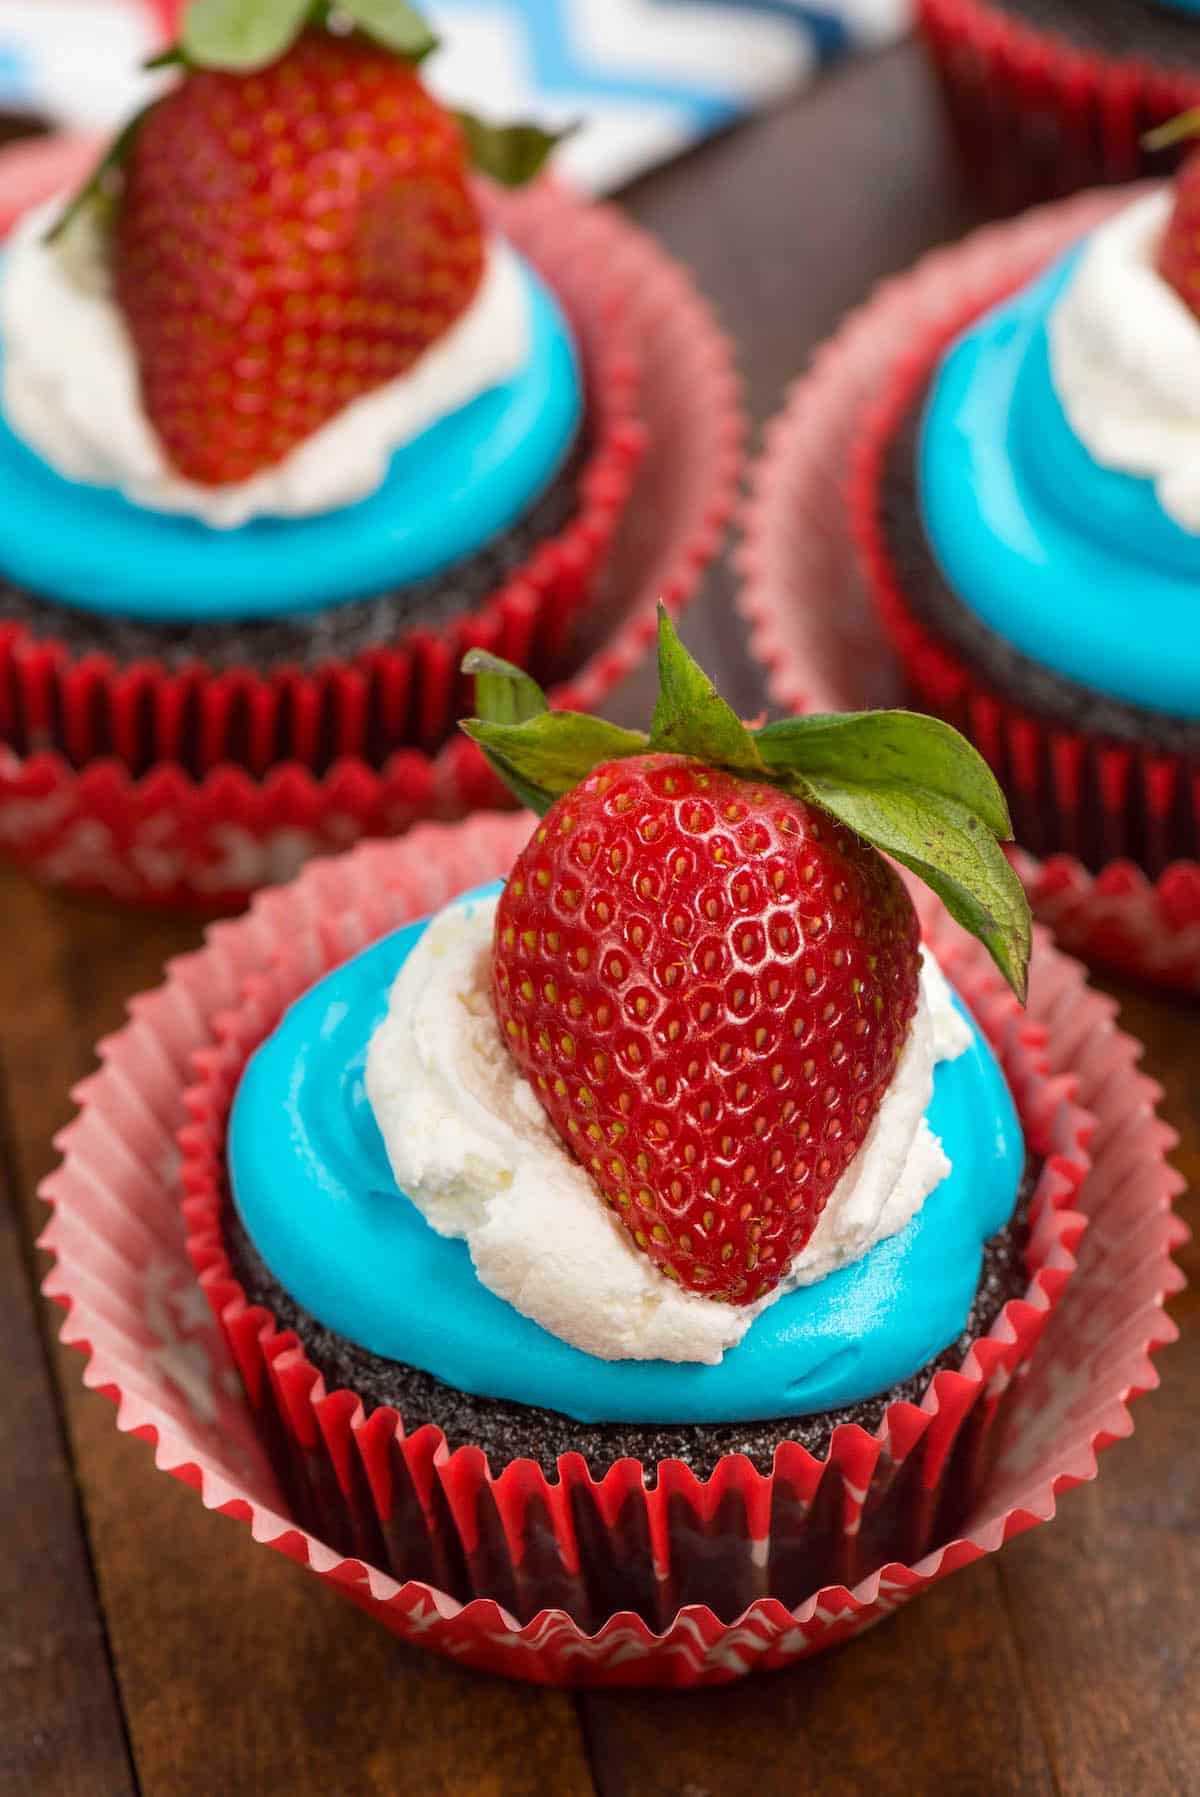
[(472, 1147), (71, 389), (1125, 360)]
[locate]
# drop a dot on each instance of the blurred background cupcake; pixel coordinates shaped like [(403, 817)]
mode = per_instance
[(1026, 510), (284, 437), (1049, 96), (980, 503)]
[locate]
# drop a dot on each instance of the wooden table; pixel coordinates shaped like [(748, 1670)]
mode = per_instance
[(148, 1646)]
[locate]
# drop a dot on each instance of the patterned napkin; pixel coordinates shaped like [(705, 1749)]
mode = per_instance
[(647, 77)]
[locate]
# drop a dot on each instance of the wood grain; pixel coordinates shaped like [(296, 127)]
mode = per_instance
[(934, 1700), (1067, 1666), (238, 1671), (53, 1654), (1103, 1602)]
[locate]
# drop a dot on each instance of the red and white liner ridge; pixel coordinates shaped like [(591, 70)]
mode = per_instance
[(1035, 117)]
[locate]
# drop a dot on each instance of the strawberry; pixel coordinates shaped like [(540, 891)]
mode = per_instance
[(1178, 257), (288, 240), (705, 971), (708, 983), (292, 228)]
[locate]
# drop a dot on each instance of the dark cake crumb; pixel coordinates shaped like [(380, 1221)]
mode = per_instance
[(507, 1431), (1039, 691)]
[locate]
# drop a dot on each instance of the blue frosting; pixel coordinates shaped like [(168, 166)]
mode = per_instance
[(313, 1187), (1076, 565), (447, 493)]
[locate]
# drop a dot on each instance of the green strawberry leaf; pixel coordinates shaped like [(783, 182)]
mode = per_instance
[(100, 190), (947, 845), (881, 748), (394, 24), (534, 798), (907, 784), (691, 717), (552, 752), (510, 154), (503, 694), (1181, 129), (240, 35)]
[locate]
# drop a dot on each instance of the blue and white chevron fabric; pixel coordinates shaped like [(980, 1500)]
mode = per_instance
[(645, 77)]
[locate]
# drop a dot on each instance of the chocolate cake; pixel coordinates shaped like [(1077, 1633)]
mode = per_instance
[(507, 1431)]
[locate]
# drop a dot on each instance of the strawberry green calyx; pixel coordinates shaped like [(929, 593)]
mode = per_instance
[(1183, 128), (907, 784), (240, 36)]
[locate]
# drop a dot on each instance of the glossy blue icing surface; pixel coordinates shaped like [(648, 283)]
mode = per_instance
[(312, 1184), (1076, 565), (447, 493)]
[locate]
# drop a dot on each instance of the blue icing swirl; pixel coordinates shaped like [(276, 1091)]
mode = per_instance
[(447, 493), (312, 1185), (1076, 565)]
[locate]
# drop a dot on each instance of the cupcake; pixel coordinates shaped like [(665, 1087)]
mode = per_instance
[(1025, 500), (1048, 96), (655, 1544), (673, 1160), (294, 412)]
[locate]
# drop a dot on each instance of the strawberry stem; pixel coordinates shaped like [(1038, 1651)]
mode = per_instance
[(908, 784), (1180, 129)]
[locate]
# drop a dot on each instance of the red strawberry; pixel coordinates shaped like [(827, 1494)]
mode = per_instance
[(708, 984), (1179, 249), (286, 241), (702, 963)]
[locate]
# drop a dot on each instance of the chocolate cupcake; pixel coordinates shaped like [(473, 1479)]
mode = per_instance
[(674, 1150), (1049, 96), (1025, 506), (282, 436)]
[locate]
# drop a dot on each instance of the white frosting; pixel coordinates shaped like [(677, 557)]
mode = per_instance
[(1125, 360), (71, 388), (471, 1145)]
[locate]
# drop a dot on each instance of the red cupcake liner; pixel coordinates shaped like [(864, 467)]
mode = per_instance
[(814, 618), (673, 1562), (194, 788), (1035, 117)]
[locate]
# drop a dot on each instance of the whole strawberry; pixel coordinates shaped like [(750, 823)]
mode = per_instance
[(708, 982), (703, 967), (292, 225)]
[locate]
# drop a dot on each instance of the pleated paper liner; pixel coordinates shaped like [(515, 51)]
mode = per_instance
[(686, 1569), (197, 788), (1036, 118), (815, 624)]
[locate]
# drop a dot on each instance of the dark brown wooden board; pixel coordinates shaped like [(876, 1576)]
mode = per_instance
[(53, 1655), (1069, 1665)]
